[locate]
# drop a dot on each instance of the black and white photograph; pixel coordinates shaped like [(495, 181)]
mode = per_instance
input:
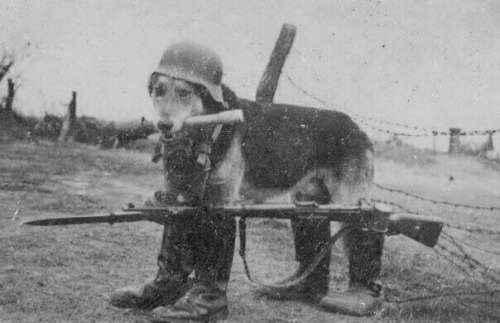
[(279, 161)]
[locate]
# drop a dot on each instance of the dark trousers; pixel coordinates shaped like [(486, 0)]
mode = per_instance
[(202, 244)]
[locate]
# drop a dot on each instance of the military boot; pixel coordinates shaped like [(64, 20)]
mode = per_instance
[(206, 300), (310, 237), (175, 262), (364, 294)]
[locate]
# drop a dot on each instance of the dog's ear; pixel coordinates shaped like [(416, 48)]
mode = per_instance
[(229, 96), (153, 78), (210, 105)]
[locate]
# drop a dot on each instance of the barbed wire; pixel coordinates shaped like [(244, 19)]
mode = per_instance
[(479, 132), (397, 124), (462, 261), (462, 227), (470, 260), (468, 206), (362, 119), (470, 229), (472, 263), (395, 204), (458, 227), (428, 133), (432, 133), (459, 258), (443, 252), (403, 134), (449, 294), (311, 95), (470, 245)]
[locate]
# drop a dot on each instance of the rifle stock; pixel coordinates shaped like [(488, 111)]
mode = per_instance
[(421, 228), (378, 217)]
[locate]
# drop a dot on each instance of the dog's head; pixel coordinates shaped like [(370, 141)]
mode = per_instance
[(187, 82), (174, 100)]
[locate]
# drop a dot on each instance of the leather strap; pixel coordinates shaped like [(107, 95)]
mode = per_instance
[(312, 266)]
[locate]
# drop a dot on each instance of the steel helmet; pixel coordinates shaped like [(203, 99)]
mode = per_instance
[(194, 63)]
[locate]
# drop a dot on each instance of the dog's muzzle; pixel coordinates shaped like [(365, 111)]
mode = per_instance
[(165, 127)]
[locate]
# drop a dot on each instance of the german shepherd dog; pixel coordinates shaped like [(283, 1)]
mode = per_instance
[(292, 151), (304, 154)]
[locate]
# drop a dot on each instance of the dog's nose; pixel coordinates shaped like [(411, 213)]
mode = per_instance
[(165, 126)]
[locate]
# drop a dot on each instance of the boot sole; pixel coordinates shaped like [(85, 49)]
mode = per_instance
[(219, 317), (351, 310)]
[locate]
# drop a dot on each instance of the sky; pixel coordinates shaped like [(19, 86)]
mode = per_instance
[(431, 64)]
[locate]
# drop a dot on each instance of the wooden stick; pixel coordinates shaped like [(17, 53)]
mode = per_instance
[(226, 117), (269, 81)]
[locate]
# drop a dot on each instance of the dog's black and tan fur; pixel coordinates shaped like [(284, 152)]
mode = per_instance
[(305, 154), (284, 151), (278, 149)]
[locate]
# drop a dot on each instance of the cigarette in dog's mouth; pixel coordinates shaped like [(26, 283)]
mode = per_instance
[(226, 117)]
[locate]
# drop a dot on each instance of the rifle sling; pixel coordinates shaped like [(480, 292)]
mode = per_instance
[(326, 249)]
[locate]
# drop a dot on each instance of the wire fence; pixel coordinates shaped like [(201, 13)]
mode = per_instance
[(448, 294), (468, 206), (455, 241), (368, 121), (453, 250), (450, 247), (457, 226)]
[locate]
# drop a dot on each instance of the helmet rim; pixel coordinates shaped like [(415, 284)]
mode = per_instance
[(194, 63)]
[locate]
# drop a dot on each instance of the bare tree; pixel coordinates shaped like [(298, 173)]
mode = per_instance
[(7, 60), (11, 92)]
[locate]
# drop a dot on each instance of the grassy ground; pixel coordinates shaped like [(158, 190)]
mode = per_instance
[(65, 274)]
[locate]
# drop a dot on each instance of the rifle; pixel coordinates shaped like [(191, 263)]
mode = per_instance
[(377, 217)]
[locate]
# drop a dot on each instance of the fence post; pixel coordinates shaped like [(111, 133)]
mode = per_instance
[(454, 147), (434, 134), (269, 81), (489, 142), (69, 119), (11, 92)]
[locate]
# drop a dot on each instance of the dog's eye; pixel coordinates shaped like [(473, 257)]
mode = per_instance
[(159, 91), (183, 93)]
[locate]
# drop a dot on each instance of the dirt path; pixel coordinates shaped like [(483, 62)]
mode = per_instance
[(65, 274)]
